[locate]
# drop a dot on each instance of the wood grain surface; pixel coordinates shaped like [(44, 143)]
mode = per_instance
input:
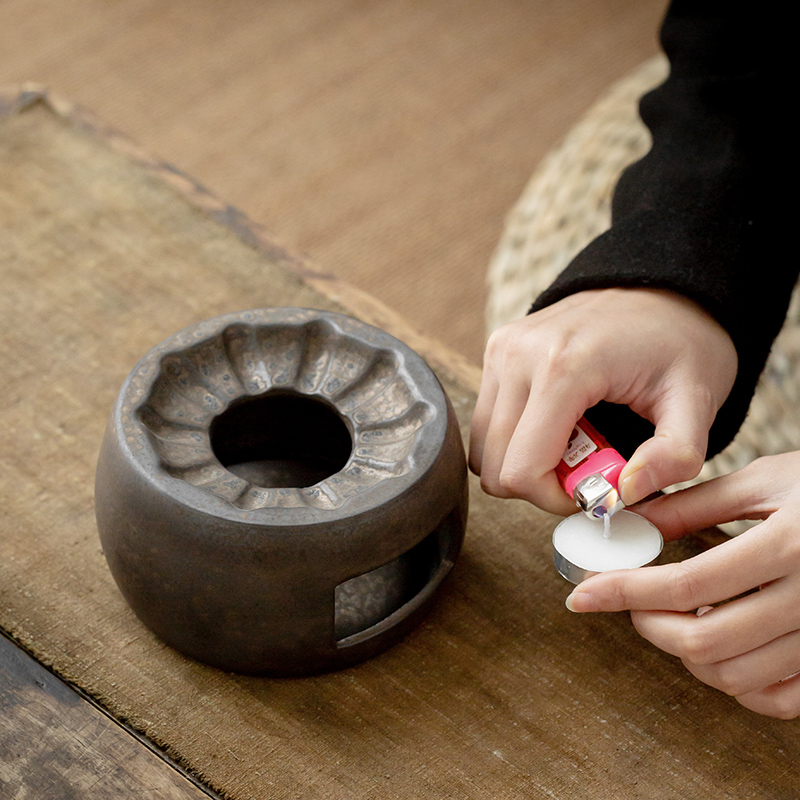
[(500, 693), (56, 745)]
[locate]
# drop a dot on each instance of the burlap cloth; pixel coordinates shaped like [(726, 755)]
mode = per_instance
[(501, 693)]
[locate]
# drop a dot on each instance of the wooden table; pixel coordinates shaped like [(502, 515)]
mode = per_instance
[(500, 693)]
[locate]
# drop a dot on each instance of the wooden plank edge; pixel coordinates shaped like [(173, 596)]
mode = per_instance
[(445, 361), (140, 739)]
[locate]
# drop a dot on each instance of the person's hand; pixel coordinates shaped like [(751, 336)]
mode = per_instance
[(652, 350), (748, 647)]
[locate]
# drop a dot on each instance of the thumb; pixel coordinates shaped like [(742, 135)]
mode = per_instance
[(675, 453)]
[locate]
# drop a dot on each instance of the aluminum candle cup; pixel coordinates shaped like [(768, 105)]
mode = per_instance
[(580, 549)]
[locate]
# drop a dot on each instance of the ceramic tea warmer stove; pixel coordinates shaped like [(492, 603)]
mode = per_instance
[(281, 491)]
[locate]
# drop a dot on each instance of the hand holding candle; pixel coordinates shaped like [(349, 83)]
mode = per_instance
[(671, 363), (748, 647)]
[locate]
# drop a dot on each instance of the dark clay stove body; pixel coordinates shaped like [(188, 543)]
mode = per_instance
[(281, 491)]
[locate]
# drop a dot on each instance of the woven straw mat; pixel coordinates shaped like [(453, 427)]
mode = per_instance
[(567, 203)]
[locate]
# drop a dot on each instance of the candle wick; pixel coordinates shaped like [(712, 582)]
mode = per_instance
[(606, 525)]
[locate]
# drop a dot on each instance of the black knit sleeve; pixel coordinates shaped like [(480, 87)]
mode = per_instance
[(699, 214)]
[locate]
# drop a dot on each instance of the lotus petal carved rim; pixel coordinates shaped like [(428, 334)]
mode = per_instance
[(372, 380)]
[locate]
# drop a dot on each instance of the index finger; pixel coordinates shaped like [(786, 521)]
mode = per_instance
[(728, 570), (535, 449)]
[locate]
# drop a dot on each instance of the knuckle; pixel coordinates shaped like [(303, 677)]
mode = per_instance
[(495, 342), (492, 484), (686, 457), (691, 456), (696, 647), (790, 547), (619, 598), (513, 483), (686, 587), (727, 680), (512, 341), (565, 355), (785, 706), (553, 353), (779, 701), (490, 487)]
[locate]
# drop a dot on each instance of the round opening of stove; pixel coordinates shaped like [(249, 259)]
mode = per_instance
[(281, 440)]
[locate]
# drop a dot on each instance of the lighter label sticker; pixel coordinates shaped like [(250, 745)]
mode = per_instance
[(579, 447)]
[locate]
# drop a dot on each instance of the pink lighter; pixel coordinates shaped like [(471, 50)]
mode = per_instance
[(589, 471)]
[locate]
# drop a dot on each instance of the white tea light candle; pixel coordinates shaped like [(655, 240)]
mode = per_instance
[(580, 549)]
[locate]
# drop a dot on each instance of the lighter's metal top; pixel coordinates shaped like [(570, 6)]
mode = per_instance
[(597, 496)]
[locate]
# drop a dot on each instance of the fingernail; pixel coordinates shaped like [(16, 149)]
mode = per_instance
[(637, 485), (581, 601)]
